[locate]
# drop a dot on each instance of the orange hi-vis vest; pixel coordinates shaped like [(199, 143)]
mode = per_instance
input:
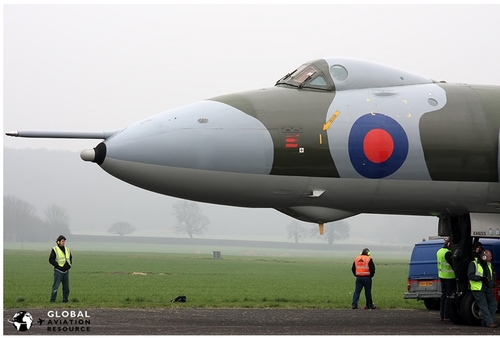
[(362, 266)]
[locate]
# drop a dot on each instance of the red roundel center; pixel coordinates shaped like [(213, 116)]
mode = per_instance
[(378, 145)]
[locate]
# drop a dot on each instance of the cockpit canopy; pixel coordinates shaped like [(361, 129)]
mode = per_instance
[(345, 74), (311, 75)]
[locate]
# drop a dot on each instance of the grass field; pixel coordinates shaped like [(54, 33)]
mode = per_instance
[(115, 279)]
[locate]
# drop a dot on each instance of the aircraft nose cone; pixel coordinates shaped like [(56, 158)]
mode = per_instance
[(207, 135)]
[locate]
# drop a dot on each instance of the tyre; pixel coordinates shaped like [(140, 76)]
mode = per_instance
[(470, 311), (432, 304)]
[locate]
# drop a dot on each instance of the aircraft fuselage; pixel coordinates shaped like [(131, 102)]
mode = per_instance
[(377, 141)]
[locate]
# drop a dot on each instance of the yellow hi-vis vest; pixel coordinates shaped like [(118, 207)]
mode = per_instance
[(476, 286), (61, 257), (445, 270)]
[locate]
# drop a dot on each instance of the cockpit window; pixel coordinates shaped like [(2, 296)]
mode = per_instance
[(306, 76), (303, 75), (319, 81)]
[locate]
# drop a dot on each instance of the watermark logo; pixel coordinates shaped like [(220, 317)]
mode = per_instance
[(22, 321), (58, 321), (68, 321)]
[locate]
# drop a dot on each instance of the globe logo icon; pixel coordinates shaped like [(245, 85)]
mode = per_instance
[(22, 321)]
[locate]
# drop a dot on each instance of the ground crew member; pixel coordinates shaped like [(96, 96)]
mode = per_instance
[(363, 268), (481, 282), (61, 258), (446, 276)]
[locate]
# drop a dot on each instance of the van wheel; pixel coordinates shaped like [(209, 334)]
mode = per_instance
[(432, 304), (470, 311)]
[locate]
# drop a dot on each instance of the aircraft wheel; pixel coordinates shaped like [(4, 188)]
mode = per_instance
[(470, 311), (452, 306)]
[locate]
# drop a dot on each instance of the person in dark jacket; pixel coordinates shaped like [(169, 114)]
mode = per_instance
[(62, 259), (481, 282), (363, 268)]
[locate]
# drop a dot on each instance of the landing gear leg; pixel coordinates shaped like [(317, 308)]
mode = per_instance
[(461, 306)]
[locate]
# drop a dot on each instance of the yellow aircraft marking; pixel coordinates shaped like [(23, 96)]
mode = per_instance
[(330, 121)]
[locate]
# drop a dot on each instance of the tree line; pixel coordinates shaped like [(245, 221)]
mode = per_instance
[(22, 224)]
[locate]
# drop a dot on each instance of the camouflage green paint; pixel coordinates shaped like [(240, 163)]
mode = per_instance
[(460, 141), (289, 115)]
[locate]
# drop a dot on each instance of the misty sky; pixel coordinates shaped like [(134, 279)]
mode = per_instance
[(103, 67)]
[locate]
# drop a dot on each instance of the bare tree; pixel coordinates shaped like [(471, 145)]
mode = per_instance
[(121, 228), (57, 220), (20, 222), (296, 231), (190, 219)]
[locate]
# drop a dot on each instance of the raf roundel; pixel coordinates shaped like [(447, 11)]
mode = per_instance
[(378, 145)]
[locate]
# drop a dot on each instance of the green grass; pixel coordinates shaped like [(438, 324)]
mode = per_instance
[(107, 279)]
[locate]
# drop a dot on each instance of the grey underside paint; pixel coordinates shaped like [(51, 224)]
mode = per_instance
[(272, 191)]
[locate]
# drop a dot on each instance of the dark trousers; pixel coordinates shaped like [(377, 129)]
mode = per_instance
[(487, 304), (366, 283), (448, 286), (58, 278)]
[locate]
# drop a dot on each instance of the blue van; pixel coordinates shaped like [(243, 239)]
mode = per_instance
[(423, 281)]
